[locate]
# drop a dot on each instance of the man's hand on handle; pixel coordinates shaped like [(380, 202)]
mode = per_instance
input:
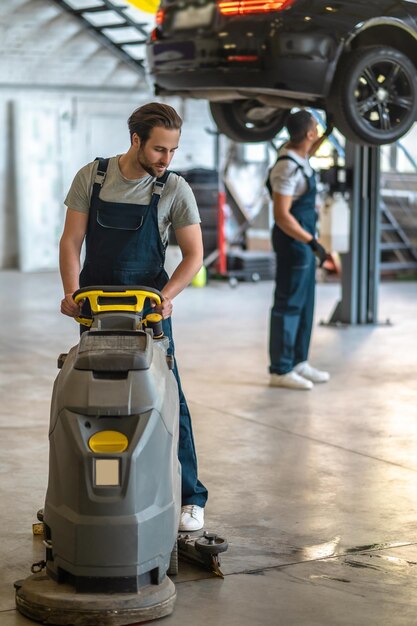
[(164, 309), (69, 307)]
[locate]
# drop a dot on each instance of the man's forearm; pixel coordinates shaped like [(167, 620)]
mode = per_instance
[(69, 265), (316, 145), (182, 276)]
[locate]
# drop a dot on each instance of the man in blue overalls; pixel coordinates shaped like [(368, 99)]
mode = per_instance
[(293, 185), (123, 208)]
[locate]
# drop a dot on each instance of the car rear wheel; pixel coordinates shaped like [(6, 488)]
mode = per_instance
[(374, 97), (247, 120)]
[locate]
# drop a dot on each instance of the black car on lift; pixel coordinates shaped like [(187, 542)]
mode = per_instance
[(256, 59)]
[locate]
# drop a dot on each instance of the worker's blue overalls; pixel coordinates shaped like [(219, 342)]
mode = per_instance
[(124, 247), (293, 306)]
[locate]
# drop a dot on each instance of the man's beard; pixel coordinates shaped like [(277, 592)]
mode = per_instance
[(144, 163)]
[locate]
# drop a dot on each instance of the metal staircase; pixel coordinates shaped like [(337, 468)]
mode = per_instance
[(398, 222), (116, 24)]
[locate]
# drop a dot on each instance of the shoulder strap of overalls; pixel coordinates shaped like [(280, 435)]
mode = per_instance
[(100, 176), (158, 187), (101, 173), (285, 157)]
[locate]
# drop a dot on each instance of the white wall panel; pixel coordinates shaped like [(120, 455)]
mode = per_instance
[(38, 185), (8, 222)]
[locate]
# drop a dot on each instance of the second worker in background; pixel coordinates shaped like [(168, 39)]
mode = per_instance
[(293, 187)]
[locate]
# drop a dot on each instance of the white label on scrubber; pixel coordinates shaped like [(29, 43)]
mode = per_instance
[(107, 473)]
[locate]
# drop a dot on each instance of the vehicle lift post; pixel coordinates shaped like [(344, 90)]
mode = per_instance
[(361, 265), (219, 255), (221, 202)]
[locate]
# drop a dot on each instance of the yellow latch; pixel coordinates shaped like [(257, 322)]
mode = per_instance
[(107, 441)]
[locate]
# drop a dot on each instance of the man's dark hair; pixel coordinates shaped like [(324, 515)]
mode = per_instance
[(298, 124), (150, 115)]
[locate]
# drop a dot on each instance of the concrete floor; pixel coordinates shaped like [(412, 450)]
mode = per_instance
[(315, 491)]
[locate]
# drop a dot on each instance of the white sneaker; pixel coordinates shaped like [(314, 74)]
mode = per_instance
[(291, 380), (311, 373), (192, 518)]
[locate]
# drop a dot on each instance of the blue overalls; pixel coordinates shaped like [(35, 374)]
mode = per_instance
[(124, 247), (293, 306)]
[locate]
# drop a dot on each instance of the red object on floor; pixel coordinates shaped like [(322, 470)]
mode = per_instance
[(221, 235)]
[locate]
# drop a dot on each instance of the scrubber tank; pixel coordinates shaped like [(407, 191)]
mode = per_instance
[(114, 492)]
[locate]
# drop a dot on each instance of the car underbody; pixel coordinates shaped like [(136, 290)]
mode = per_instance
[(253, 70)]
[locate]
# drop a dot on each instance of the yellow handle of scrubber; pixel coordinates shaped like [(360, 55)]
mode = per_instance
[(93, 296), (85, 321)]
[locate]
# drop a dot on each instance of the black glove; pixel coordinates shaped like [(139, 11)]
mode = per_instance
[(318, 250)]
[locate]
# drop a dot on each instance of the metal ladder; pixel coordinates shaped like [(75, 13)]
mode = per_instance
[(112, 25), (395, 241), (398, 251)]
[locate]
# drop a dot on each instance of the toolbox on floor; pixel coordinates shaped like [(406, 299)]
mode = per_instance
[(251, 265)]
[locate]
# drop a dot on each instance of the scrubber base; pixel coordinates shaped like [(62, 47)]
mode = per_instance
[(43, 600)]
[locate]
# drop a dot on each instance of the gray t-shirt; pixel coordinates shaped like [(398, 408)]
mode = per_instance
[(287, 178), (177, 204)]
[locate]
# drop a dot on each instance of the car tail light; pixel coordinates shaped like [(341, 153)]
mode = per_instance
[(243, 58), (159, 18), (244, 7)]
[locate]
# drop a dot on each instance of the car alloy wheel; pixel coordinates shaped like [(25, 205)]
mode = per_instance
[(247, 120), (374, 99)]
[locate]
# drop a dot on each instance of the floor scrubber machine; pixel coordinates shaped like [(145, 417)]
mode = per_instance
[(114, 491)]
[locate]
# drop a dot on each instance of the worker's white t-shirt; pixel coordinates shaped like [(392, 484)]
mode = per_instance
[(287, 178)]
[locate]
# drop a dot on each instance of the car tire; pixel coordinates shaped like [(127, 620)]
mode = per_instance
[(232, 120), (385, 114)]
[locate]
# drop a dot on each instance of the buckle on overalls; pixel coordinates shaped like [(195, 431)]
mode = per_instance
[(100, 177), (158, 187)]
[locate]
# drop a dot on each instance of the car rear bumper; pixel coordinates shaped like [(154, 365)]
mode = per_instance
[(202, 63), (306, 78)]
